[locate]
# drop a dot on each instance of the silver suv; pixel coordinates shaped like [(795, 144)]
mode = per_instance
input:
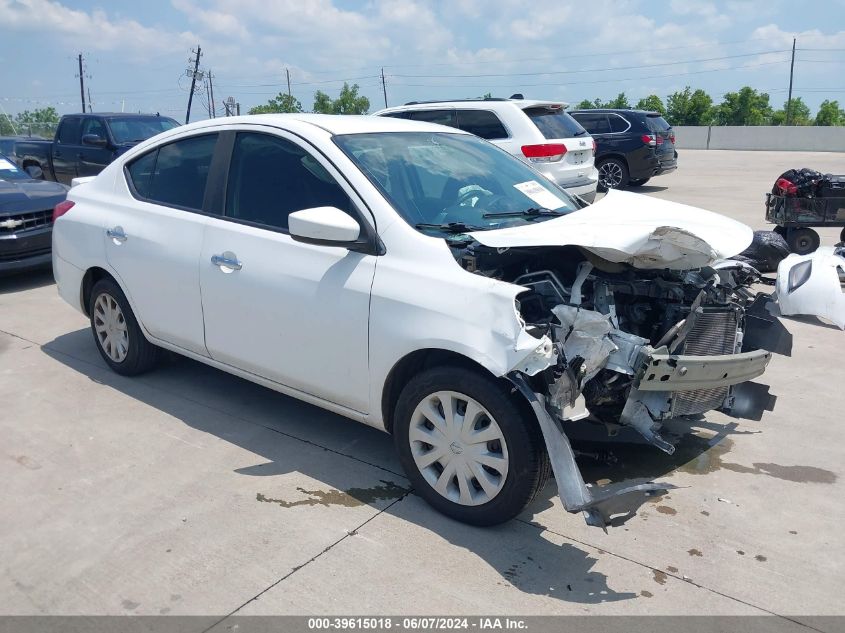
[(540, 133)]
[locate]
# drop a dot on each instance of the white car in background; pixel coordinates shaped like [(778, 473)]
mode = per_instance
[(540, 133), (420, 280)]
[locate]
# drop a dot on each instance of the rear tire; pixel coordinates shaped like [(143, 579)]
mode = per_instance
[(116, 332), (803, 241), (842, 236), (638, 182), (442, 452), (613, 174)]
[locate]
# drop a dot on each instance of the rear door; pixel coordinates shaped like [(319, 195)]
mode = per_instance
[(597, 124), (65, 149), (557, 126), (154, 236)]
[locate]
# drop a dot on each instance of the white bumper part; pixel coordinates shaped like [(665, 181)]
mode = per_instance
[(813, 285)]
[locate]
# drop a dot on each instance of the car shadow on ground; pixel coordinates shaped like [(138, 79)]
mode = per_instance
[(20, 282), (647, 189), (525, 558)]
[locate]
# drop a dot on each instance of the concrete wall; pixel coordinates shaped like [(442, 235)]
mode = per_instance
[(763, 137)]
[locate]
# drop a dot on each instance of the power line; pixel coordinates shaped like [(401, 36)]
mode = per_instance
[(595, 70)]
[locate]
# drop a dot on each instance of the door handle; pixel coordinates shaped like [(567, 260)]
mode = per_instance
[(226, 260), (116, 234)]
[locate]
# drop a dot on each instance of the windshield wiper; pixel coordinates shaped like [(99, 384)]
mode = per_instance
[(581, 133), (531, 212), (451, 227)]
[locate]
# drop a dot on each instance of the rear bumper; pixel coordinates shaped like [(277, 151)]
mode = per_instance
[(28, 250)]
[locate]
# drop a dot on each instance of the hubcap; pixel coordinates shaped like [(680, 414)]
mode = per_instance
[(610, 175), (110, 327), (459, 448)]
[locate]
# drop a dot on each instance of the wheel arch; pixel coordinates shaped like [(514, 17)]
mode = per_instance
[(91, 277), (615, 155), (413, 363)]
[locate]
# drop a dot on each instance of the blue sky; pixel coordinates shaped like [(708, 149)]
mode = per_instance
[(137, 51)]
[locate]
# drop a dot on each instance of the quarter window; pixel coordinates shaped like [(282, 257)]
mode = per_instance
[(175, 174), (482, 123), (617, 123), (270, 178)]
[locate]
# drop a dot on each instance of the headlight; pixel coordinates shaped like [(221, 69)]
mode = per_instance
[(799, 275)]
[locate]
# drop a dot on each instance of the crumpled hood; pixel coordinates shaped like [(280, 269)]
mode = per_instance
[(634, 229)]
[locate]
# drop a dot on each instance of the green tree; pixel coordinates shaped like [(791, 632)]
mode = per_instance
[(688, 107), (620, 102), (652, 103), (745, 107), (350, 102), (42, 121), (830, 113), (585, 104), (322, 103), (282, 102), (799, 113)]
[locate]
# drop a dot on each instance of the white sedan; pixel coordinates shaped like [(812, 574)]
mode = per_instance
[(423, 281)]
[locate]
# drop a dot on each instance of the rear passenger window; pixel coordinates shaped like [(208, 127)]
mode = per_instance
[(617, 123), (441, 117), (594, 123), (176, 173), (482, 123), (270, 178)]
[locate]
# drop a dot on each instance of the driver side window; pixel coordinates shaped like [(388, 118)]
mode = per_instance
[(271, 177), (94, 126)]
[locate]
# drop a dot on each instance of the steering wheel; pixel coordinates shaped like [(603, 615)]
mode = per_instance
[(472, 193)]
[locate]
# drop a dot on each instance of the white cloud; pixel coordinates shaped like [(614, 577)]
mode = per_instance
[(95, 29)]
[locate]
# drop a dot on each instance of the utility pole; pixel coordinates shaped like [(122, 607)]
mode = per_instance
[(383, 87), (789, 98), (81, 83), (211, 86), (193, 75), (207, 100), (238, 105), (90, 101), (287, 74)]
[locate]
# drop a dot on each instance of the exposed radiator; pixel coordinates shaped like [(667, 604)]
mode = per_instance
[(714, 333)]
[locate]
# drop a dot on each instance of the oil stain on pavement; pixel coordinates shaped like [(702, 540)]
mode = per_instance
[(349, 498)]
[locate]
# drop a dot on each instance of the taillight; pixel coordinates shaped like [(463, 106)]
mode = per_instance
[(595, 146), (648, 139), (659, 139), (63, 207), (545, 153), (672, 137)]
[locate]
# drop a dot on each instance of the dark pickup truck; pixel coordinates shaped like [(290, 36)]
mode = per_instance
[(86, 143)]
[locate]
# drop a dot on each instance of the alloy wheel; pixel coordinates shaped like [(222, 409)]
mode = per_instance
[(110, 327), (459, 448), (610, 175)]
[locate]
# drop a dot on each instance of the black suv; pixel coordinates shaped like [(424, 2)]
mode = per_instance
[(632, 145)]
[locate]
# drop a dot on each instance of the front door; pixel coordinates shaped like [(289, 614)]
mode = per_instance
[(154, 237), (290, 312), (93, 158)]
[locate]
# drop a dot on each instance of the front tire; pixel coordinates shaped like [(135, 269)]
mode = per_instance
[(470, 448), (613, 174), (116, 331)]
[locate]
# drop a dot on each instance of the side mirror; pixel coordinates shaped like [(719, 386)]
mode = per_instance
[(94, 140), (325, 226)]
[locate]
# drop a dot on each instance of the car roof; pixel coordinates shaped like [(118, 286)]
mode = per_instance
[(490, 103), (617, 110), (331, 123), (120, 114)]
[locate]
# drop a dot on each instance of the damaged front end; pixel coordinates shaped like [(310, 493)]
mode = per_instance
[(631, 347)]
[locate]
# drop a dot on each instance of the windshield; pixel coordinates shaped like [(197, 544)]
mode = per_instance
[(8, 171), (139, 128), (435, 180)]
